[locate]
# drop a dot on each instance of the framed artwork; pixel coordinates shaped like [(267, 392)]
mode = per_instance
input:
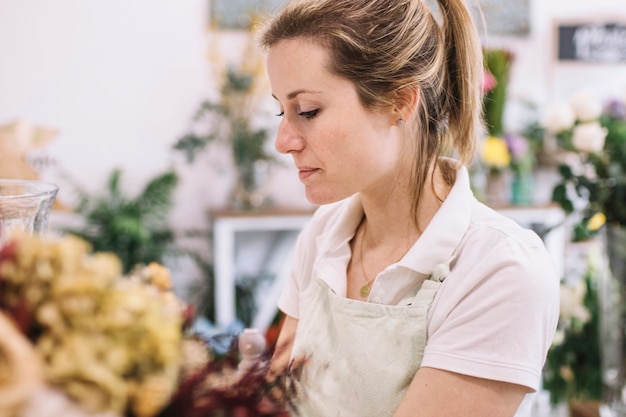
[(236, 14), (506, 17), (502, 17)]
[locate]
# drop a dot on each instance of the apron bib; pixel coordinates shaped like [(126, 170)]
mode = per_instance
[(361, 357)]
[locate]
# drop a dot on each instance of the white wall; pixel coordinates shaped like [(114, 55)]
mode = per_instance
[(120, 80), (117, 78)]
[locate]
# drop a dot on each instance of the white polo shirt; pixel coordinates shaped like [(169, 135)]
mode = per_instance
[(495, 314)]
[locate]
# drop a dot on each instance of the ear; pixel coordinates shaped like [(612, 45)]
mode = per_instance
[(406, 101)]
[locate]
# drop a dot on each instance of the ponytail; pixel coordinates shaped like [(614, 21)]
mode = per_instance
[(464, 70)]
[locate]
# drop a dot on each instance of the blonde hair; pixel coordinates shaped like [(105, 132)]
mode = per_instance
[(385, 46)]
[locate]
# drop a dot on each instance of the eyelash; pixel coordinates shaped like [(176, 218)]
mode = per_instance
[(307, 114)]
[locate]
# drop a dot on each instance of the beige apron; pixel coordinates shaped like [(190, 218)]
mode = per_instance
[(361, 356)]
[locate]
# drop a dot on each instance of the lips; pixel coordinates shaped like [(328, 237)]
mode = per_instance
[(306, 172)]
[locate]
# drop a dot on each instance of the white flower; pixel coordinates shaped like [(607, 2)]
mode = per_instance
[(559, 337), (589, 137), (558, 116), (586, 106), (571, 304)]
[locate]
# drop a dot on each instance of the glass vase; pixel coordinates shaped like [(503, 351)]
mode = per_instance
[(251, 189), (496, 191), (25, 206), (612, 294), (522, 189)]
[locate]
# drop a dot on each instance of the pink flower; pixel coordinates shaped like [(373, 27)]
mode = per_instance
[(489, 82)]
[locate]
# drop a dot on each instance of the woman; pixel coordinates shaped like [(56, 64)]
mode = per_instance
[(407, 297)]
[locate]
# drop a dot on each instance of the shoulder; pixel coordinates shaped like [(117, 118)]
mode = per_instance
[(495, 314), (497, 243)]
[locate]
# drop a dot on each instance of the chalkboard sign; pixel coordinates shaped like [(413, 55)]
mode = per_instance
[(592, 42)]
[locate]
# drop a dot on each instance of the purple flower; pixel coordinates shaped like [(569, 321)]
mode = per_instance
[(616, 109), (517, 144)]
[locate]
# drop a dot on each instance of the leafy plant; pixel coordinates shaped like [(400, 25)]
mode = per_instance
[(498, 63), (599, 177), (134, 228), (229, 122), (573, 369)]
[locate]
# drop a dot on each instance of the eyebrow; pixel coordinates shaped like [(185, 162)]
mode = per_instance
[(295, 93)]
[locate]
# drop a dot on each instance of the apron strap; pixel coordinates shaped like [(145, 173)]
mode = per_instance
[(441, 271), (426, 293), (429, 288)]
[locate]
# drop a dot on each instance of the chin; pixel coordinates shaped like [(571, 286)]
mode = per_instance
[(321, 198)]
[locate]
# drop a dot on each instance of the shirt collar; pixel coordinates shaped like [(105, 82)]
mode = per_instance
[(436, 244), (334, 245), (344, 227), (446, 229)]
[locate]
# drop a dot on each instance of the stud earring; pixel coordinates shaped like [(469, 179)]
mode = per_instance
[(400, 122)]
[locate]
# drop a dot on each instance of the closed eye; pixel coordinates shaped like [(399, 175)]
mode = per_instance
[(281, 114), (309, 114)]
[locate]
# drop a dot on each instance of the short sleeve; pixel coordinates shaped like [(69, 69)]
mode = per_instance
[(495, 315)]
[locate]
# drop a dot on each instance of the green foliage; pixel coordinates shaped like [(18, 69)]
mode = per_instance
[(612, 166), (572, 369), (498, 63), (246, 293), (134, 228), (604, 190), (229, 122)]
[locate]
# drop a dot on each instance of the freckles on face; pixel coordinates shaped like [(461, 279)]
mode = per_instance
[(339, 146)]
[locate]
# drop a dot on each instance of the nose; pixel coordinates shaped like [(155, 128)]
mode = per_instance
[(288, 139)]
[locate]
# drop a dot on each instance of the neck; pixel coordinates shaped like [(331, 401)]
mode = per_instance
[(389, 215)]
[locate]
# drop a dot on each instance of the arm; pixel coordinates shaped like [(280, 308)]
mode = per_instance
[(497, 322), (274, 400), (438, 393), (282, 353)]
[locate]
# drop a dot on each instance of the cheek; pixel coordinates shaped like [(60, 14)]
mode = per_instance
[(354, 141), (345, 147)]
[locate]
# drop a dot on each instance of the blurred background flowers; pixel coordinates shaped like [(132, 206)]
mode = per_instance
[(588, 139), (507, 157)]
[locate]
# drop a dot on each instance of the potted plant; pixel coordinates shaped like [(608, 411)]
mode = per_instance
[(134, 228), (230, 121)]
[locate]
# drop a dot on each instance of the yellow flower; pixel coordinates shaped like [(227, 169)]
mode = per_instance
[(596, 221), (151, 395), (99, 333), (158, 275), (495, 153)]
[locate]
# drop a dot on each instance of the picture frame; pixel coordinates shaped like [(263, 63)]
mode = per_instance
[(496, 17), (506, 17), (238, 14), (256, 247), (502, 17)]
